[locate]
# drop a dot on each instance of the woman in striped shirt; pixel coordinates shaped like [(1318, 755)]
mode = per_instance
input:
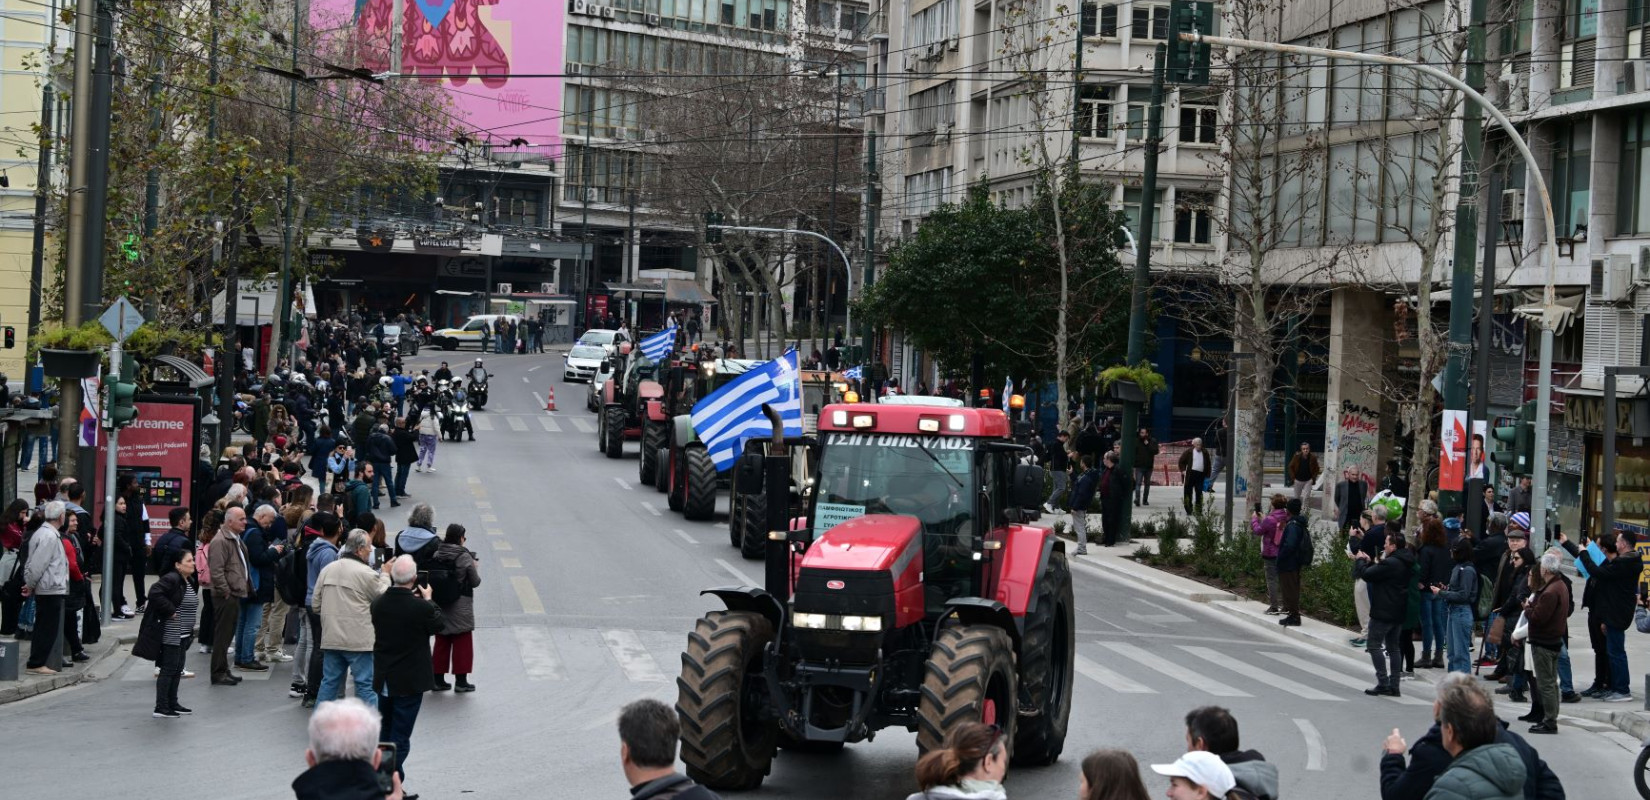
[(168, 622)]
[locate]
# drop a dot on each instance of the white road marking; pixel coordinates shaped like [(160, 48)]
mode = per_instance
[(1259, 675), (632, 656), (549, 424), (623, 484), (734, 571), (650, 507), (503, 545), (527, 595), (481, 423), (489, 518), (584, 425), (540, 398), (494, 532), (510, 563), (517, 424), (525, 380), (538, 653), (535, 368), (488, 504), (1109, 678), (1321, 671), (684, 535), (1166, 667), (1315, 750), (474, 479)]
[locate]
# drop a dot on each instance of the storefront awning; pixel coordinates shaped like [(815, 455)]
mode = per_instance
[(1565, 310), (688, 292), (640, 287)]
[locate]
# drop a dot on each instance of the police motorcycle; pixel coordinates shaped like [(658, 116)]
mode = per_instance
[(453, 413), (477, 388)]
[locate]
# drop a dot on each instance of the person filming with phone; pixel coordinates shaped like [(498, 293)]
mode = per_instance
[(403, 620), (344, 755)]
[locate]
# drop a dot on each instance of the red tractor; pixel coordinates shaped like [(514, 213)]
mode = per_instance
[(915, 594), (634, 383)]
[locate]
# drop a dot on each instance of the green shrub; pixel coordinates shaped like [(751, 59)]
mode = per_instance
[(1326, 588)]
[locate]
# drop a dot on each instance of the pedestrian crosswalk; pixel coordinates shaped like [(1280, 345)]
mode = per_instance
[(533, 423)]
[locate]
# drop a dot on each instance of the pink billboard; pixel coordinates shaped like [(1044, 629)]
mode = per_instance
[(493, 56)]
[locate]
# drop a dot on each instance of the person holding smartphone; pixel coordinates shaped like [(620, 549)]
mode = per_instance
[(403, 620), (344, 755)]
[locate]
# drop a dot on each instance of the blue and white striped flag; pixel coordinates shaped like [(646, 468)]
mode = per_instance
[(732, 414), (659, 345), (1008, 392), (854, 373)]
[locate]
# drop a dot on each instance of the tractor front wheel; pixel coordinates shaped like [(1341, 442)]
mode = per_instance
[(601, 431), (613, 432), (727, 742), (648, 471), (699, 500), (969, 677), (1045, 667), (661, 473)]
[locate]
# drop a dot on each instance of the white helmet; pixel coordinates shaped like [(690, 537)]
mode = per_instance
[(321, 386), (384, 381)]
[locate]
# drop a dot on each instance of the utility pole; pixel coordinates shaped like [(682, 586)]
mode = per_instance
[(230, 359), (822, 283), (1143, 263), (1481, 377), (873, 208), (74, 284), (151, 179), (1466, 249), (279, 331)]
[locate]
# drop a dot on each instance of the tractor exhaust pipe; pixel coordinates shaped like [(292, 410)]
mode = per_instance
[(776, 468)]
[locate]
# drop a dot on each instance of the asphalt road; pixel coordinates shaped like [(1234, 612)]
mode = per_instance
[(589, 587)]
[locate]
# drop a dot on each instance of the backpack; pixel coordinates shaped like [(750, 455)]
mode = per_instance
[(292, 573), (1304, 549), (1486, 594), (445, 587)]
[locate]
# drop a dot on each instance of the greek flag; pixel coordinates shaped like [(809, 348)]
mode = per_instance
[(854, 373), (732, 414), (1008, 392), (659, 345)]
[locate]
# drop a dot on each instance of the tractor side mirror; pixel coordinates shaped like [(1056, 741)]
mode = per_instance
[(749, 474), (607, 365), (1027, 491)]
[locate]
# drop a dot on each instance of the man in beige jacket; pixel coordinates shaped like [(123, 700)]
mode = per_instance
[(343, 597), (227, 563)]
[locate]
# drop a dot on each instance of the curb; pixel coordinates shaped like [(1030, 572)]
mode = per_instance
[(1633, 723), (62, 680)]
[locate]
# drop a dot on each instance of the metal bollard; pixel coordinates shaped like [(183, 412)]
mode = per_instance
[(11, 653)]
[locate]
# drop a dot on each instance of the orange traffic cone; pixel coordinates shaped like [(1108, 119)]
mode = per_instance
[(550, 402)]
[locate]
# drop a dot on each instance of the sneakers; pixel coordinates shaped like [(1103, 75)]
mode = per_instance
[(252, 666), (1274, 610), (187, 674), (1291, 621), (1082, 551), (167, 714), (431, 468), (309, 702), (1571, 697), (1408, 675), (181, 710), (125, 610), (418, 468), (204, 649), (80, 657), (1487, 662), (1358, 642), (1616, 697), (275, 656), (296, 691)]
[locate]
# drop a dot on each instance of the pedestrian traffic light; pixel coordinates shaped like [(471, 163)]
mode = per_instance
[(11, 337), (122, 403), (1188, 62), (1518, 455), (713, 230)]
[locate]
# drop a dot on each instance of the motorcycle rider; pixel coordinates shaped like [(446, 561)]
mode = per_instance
[(478, 384), (442, 373), (479, 373)]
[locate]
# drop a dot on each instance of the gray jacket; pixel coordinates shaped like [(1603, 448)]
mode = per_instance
[(47, 570), (1486, 772)]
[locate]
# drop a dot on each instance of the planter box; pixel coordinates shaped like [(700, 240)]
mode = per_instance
[(1127, 391), (70, 363)]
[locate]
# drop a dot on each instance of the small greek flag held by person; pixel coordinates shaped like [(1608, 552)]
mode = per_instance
[(1008, 392), (659, 345), (854, 373), (732, 414)]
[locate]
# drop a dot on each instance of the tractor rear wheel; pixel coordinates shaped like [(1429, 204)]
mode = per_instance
[(753, 513), (613, 432), (969, 677), (699, 491), (678, 479), (661, 473), (727, 742), (1046, 653), (648, 472)]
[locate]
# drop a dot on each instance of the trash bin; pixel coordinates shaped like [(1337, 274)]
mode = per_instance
[(11, 653)]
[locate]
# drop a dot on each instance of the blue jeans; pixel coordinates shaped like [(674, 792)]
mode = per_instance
[(246, 632), (401, 470), (333, 664), (1492, 649), (1460, 638), (381, 472), (1564, 684), (1434, 624), (1616, 640), (399, 715), (44, 440)]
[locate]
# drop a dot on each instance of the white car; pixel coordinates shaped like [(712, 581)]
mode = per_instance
[(607, 339), (582, 362), (598, 382)]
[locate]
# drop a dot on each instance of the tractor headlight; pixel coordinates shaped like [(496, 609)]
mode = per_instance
[(854, 623), (805, 620)]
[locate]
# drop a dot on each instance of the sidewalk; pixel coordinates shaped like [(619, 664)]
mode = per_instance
[(116, 638)]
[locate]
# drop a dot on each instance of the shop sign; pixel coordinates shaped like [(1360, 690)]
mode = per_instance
[(1586, 413)]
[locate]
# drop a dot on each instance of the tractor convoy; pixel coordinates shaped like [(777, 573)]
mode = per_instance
[(906, 583)]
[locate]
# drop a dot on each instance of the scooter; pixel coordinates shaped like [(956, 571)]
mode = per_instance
[(454, 416), (477, 391)]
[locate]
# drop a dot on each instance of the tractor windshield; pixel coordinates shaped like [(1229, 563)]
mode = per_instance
[(927, 477)]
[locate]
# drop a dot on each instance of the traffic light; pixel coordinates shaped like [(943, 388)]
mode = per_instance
[(1518, 454), (713, 233), (122, 404), (11, 337), (1188, 62)]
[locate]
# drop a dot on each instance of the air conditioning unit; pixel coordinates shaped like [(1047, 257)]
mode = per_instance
[(934, 50), (653, 20), (609, 13), (911, 62), (590, 195), (579, 7), (1612, 278), (574, 68), (547, 288), (954, 43), (1512, 205), (1641, 277), (1638, 73), (505, 288)]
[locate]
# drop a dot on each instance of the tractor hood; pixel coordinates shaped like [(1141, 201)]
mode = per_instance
[(649, 390), (876, 542)]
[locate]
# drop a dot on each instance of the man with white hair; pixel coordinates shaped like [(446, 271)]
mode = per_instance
[(1194, 467), (46, 579), (403, 620), (1547, 611), (231, 573), (343, 596), (343, 755)]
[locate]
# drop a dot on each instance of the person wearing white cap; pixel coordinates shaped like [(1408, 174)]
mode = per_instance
[(1197, 776)]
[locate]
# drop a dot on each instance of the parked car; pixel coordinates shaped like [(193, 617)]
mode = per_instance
[(608, 339), (475, 331)]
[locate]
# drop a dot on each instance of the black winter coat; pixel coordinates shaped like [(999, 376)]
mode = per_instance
[(673, 787), (1435, 564), (261, 555), (1428, 759), (402, 624), (406, 445), (338, 780), (1294, 532), (1617, 581), (1388, 584), (165, 595), (380, 448)]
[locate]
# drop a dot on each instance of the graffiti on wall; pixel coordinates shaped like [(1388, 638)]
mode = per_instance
[(1354, 442)]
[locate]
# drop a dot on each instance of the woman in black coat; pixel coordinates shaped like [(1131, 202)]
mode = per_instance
[(164, 634), (1520, 561)]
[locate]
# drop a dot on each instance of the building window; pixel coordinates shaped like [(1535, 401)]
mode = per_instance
[(1099, 20), (517, 207), (1572, 180), (1131, 210), (1094, 112), (1198, 117), (1193, 223), (1633, 192), (607, 176), (1150, 21), (1135, 128), (926, 191), (931, 108), (935, 23)]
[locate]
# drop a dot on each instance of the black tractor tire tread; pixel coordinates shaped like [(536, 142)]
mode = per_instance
[(957, 674), (753, 527), (709, 691), (648, 471), (613, 430), (1040, 738), (601, 429), (675, 492), (661, 477), (699, 493)]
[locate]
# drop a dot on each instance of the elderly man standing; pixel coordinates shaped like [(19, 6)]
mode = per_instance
[(231, 586), (46, 579), (1194, 467), (343, 597), (403, 620), (343, 755), (263, 613)]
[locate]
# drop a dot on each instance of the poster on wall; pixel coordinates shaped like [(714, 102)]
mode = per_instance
[(1452, 454), (159, 449), (1477, 467)]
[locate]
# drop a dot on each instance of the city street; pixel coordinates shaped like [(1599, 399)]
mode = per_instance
[(589, 587)]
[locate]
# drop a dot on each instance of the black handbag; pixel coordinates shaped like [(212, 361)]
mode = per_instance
[(91, 622)]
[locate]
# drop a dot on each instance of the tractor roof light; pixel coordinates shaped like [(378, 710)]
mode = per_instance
[(956, 422), (1017, 401), (839, 418), (864, 421), (850, 396), (928, 425)]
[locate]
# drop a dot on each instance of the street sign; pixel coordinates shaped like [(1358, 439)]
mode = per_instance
[(121, 319)]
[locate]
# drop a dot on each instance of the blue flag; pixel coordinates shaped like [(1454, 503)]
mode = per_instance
[(659, 345), (854, 373), (732, 414)]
